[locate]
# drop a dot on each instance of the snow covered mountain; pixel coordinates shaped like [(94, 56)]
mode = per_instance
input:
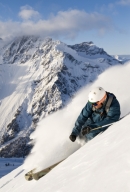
[(103, 164), (37, 77), (123, 58)]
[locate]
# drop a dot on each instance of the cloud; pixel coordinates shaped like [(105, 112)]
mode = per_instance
[(124, 2), (110, 9), (64, 24), (107, 7), (27, 13)]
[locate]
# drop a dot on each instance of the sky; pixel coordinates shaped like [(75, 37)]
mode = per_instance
[(106, 24)]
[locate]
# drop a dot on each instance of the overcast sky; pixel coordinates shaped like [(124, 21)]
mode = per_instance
[(106, 23)]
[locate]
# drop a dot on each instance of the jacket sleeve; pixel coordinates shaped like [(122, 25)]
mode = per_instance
[(82, 118)]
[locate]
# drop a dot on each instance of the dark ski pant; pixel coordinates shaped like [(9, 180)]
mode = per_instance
[(91, 136)]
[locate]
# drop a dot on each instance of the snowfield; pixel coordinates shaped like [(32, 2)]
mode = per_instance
[(103, 164)]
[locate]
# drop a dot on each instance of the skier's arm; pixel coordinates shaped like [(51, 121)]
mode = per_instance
[(82, 118), (113, 115)]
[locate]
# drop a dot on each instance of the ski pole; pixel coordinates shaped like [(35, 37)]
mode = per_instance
[(109, 124), (103, 126)]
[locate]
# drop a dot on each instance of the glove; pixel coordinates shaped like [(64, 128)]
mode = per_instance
[(72, 138), (86, 130)]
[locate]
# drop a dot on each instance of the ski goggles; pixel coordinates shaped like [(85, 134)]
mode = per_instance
[(95, 104)]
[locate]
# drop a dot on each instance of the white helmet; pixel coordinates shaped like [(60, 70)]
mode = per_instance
[(96, 94)]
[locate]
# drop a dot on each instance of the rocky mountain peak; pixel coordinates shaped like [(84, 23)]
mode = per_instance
[(87, 49)]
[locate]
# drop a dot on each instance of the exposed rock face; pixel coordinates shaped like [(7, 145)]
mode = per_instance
[(38, 76), (19, 148)]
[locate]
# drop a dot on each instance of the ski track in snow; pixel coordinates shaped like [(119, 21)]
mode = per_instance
[(5, 183), (18, 174)]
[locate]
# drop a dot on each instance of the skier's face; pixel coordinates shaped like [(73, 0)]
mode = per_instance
[(99, 104)]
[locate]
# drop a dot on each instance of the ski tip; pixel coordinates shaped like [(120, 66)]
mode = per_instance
[(28, 177)]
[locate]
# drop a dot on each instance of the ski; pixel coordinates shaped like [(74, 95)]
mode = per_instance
[(28, 176), (37, 175)]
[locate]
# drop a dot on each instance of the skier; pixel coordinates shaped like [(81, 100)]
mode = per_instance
[(101, 109)]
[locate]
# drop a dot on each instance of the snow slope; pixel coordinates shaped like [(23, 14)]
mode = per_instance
[(103, 164)]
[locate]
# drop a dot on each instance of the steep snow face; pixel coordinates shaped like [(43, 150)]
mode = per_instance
[(100, 165), (37, 77)]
